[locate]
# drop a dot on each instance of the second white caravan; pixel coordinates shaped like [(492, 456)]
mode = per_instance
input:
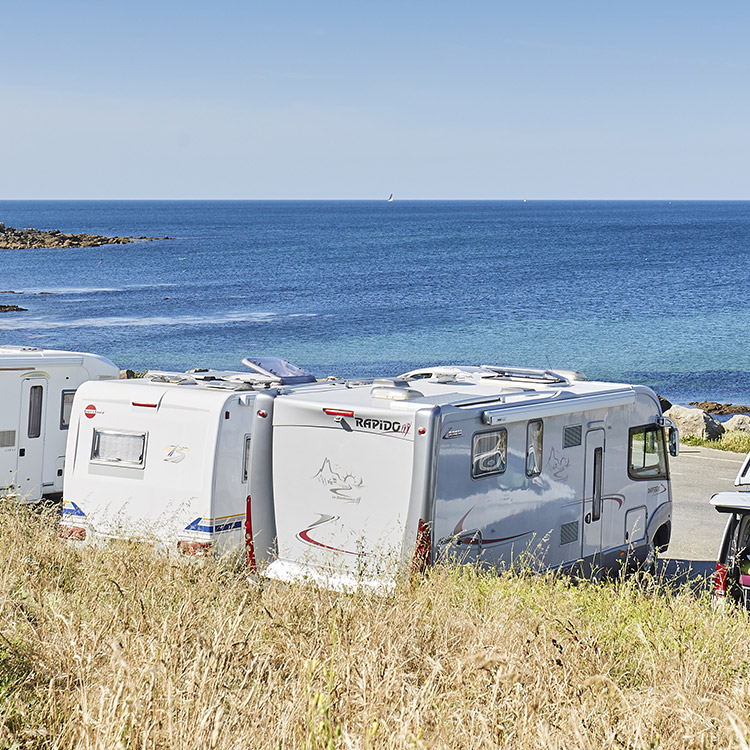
[(474, 464), (36, 395), (165, 459)]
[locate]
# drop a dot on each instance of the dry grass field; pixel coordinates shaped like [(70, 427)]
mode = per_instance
[(117, 648)]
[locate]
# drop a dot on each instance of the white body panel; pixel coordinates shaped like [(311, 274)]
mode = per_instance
[(36, 388), (190, 483), (355, 468), (163, 459), (341, 505)]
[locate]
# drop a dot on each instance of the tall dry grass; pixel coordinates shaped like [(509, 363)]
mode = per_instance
[(114, 647)]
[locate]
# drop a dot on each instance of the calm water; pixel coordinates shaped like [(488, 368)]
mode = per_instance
[(649, 292)]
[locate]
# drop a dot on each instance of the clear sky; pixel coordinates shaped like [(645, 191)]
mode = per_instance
[(558, 99)]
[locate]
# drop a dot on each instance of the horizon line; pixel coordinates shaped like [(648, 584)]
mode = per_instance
[(378, 200)]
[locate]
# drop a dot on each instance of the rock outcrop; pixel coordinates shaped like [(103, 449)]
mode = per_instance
[(12, 308), (695, 422), (665, 403), (25, 239), (738, 422), (714, 407)]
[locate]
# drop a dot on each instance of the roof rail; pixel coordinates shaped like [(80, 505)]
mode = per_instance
[(235, 381), (442, 373), (532, 374), (180, 378)]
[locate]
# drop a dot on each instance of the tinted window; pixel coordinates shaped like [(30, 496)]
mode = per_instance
[(489, 453), (596, 495), (65, 407), (534, 437), (648, 459), (35, 411), (246, 463), (123, 448)]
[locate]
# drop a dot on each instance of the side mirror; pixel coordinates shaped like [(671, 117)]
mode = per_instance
[(674, 441)]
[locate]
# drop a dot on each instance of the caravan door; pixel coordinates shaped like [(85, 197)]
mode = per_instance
[(591, 540), (31, 439)]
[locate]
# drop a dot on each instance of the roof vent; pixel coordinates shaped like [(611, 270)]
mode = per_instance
[(278, 370), (393, 390)]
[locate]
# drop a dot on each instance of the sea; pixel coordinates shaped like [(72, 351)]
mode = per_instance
[(640, 292)]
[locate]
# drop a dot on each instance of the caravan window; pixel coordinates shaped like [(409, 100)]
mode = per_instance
[(65, 407), (647, 459), (35, 411), (489, 453), (122, 448), (534, 432), (596, 495)]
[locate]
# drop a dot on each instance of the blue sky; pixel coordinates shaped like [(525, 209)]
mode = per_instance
[(347, 100)]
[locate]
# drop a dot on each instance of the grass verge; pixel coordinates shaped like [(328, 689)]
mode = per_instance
[(736, 441), (114, 647)]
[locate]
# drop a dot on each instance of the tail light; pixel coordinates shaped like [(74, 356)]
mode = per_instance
[(193, 549), (422, 551), (249, 545), (77, 533), (720, 581)]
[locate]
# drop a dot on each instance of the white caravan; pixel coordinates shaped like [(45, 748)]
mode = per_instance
[(36, 393), (165, 458), (486, 465)]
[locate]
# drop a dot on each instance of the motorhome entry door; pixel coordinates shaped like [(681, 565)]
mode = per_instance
[(31, 438), (591, 539)]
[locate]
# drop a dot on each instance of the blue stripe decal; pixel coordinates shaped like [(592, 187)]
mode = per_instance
[(71, 509), (210, 528), (195, 526)]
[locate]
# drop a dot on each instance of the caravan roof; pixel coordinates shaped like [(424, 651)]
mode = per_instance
[(32, 356), (467, 386)]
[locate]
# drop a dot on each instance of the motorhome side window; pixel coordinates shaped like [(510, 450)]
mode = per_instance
[(647, 459), (246, 460), (35, 411), (121, 448), (534, 435), (489, 453), (66, 405)]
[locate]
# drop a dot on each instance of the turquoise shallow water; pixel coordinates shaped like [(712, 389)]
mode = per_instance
[(651, 292)]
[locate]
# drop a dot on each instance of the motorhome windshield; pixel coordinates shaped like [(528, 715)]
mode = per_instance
[(647, 453)]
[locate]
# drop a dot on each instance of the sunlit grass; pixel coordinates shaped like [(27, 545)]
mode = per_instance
[(113, 647), (732, 440)]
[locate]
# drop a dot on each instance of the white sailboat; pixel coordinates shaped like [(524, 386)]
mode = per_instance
[(390, 198)]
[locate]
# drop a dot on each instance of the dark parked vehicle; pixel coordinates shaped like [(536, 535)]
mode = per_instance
[(733, 564)]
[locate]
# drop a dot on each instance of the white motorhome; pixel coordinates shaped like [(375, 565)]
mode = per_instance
[(165, 458), (36, 394), (483, 465)]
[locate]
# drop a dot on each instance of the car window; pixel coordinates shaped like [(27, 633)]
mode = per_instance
[(743, 533)]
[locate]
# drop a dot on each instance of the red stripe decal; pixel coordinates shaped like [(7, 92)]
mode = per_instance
[(305, 537)]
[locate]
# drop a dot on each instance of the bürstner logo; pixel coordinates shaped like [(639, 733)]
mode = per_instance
[(383, 425), (90, 411)]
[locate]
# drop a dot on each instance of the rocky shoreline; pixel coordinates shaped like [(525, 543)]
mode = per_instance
[(714, 407), (699, 421), (33, 239)]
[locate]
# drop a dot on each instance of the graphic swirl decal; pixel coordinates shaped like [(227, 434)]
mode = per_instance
[(305, 536)]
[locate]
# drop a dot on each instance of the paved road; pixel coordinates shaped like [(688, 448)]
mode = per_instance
[(698, 473)]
